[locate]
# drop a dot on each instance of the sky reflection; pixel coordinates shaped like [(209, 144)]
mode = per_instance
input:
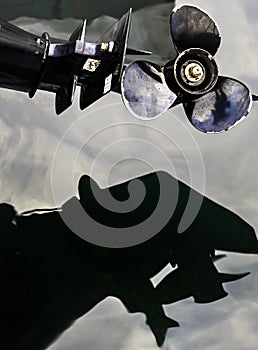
[(30, 134)]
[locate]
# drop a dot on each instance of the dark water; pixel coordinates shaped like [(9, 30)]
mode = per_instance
[(51, 277)]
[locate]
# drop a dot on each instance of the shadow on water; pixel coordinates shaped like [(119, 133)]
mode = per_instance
[(50, 277)]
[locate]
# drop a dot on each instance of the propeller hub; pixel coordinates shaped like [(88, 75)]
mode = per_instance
[(195, 71)]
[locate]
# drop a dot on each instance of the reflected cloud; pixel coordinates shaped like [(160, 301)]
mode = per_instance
[(31, 131)]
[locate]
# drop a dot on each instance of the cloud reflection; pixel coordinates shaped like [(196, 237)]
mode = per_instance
[(31, 131)]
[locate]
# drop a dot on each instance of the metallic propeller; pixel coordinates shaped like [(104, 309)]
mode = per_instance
[(212, 103)]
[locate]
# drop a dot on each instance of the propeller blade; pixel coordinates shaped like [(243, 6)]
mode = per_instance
[(229, 277), (144, 90), (119, 33), (130, 51), (255, 98), (108, 73), (65, 95), (218, 257), (220, 109), (159, 326), (192, 28), (80, 32)]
